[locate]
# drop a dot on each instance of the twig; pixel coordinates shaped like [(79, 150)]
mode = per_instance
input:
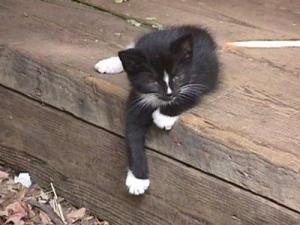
[(48, 210), (57, 206)]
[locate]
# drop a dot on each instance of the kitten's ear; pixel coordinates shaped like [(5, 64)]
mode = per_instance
[(133, 60), (182, 47)]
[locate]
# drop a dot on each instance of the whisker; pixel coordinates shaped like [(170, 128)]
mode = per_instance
[(146, 100), (138, 104), (132, 103), (193, 89), (187, 97), (194, 85)]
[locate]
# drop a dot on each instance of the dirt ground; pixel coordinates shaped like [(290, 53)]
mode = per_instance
[(20, 205)]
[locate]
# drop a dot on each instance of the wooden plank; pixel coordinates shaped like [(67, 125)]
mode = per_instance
[(224, 18), (88, 167), (257, 16), (246, 132), (229, 21)]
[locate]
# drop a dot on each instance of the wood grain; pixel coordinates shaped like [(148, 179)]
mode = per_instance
[(246, 133), (256, 19), (88, 167)]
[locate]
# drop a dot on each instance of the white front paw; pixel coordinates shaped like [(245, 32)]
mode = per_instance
[(110, 65), (135, 185), (162, 121)]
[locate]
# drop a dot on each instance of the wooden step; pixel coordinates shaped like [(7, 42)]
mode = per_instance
[(246, 133), (88, 165)]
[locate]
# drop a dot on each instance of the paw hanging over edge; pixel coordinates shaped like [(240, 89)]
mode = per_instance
[(135, 185)]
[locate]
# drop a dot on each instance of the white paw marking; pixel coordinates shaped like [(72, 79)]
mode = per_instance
[(110, 65), (136, 186), (162, 121)]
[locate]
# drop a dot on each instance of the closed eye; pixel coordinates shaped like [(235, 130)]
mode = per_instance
[(178, 77)]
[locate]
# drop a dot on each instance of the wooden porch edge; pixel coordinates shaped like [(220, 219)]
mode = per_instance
[(39, 87), (196, 141), (89, 172)]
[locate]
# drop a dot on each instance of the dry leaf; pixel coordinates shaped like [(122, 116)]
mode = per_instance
[(30, 212), (104, 223), (76, 215), (15, 219), (45, 218), (3, 213), (16, 212), (3, 175), (43, 197), (22, 193), (88, 218), (16, 209)]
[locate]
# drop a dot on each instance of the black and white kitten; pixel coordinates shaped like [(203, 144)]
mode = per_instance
[(169, 71)]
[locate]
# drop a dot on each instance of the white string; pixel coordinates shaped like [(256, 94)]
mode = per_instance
[(266, 44)]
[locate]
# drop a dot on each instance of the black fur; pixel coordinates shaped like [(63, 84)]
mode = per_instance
[(188, 55)]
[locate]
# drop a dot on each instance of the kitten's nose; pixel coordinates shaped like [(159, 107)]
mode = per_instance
[(169, 95)]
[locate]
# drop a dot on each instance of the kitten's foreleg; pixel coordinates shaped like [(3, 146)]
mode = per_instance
[(137, 180)]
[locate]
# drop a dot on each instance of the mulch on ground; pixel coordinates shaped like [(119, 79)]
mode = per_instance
[(20, 205)]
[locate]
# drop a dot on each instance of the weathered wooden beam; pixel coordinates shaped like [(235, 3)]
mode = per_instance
[(88, 166), (252, 17), (228, 21)]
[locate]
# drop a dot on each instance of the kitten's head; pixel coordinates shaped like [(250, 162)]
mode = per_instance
[(159, 78)]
